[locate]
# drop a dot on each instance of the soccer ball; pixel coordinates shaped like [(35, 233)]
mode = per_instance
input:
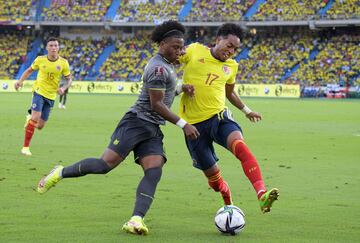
[(230, 220)]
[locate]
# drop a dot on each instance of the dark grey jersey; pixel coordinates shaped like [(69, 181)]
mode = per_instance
[(158, 75)]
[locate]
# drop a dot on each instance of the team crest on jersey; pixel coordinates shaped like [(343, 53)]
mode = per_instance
[(58, 68), (226, 69), (159, 71)]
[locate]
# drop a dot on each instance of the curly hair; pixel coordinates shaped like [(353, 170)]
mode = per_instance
[(167, 29), (229, 29)]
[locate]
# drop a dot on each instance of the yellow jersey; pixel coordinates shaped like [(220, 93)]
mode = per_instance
[(49, 75), (209, 76)]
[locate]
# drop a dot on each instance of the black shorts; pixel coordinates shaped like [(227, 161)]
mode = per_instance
[(134, 134)]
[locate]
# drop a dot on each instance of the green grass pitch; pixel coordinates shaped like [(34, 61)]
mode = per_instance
[(309, 149)]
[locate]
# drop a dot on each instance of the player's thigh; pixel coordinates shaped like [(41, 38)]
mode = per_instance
[(150, 153), (227, 131), (46, 109), (202, 151), (37, 105)]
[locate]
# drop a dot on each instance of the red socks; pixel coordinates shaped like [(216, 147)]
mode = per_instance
[(217, 183), (29, 131), (249, 165)]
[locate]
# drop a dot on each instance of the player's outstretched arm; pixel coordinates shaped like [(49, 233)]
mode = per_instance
[(236, 101), (157, 105), (23, 77)]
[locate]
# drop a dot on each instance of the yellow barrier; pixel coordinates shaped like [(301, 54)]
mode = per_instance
[(82, 87), (268, 90), (244, 90)]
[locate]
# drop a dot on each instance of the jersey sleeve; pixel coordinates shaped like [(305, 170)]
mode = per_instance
[(156, 78), (35, 65), (66, 69), (188, 52)]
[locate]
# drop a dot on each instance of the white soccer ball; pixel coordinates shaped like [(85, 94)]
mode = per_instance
[(230, 220)]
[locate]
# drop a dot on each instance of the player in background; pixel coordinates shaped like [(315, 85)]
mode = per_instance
[(51, 69), (139, 129), (63, 97), (212, 73)]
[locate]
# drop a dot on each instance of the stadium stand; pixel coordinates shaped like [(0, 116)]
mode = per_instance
[(129, 58), (346, 9), (288, 9), (271, 56), (217, 10), (148, 11), (20, 10), (76, 10), (337, 62), (12, 54), (299, 54)]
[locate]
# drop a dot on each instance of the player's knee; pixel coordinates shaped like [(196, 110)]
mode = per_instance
[(103, 167), (154, 174)]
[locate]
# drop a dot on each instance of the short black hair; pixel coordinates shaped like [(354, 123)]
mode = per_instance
[(51, 39), (167, 29), (229, 29)]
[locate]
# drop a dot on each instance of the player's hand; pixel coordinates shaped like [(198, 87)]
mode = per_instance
[(191, 132), (254, 116), (17, 85), (61, 91), (188, 89)]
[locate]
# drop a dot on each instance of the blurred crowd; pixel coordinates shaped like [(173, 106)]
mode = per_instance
[(20, 10), (12, 54), (159, 10), (76, 10), (289, 9), (149, 11), (129, 58), (271, 57), (218, 10)]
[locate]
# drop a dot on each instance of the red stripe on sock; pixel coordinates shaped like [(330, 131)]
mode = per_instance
[(217, 183)]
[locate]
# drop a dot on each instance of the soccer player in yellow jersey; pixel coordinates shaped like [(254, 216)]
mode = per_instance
[(51, 68), (212, 72)]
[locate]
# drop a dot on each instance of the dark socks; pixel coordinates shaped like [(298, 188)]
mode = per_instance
[(86, 166), (146, 191)]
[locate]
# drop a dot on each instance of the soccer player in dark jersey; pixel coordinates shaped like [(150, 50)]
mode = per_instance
[(51, 68), (212, 73), (139, 129)]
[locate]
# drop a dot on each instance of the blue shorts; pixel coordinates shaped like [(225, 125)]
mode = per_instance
[(41, 104), (215, 129)]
